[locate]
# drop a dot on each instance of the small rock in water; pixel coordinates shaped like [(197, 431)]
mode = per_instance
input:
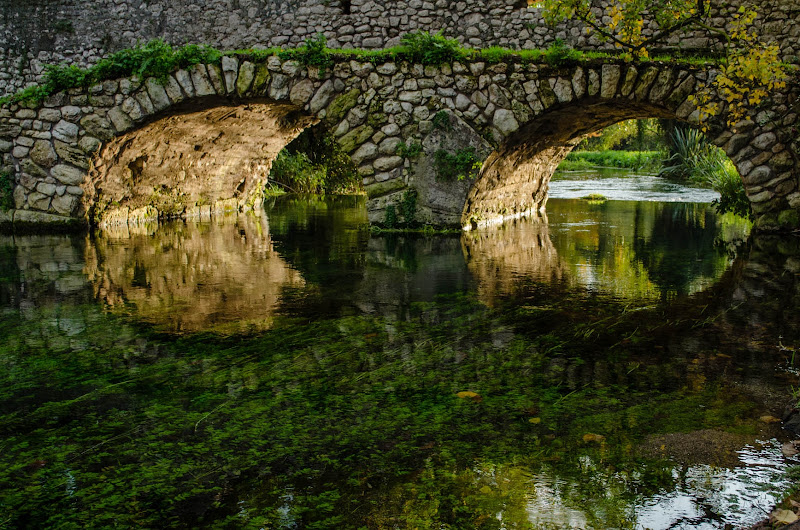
[(597, 438), (769, 419), (790, 448), (783, 516)]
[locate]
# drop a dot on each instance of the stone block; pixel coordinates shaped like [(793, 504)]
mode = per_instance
[(71, 176), (505, 121), (217, 78), (72, 155), (662, 86), (43, 154), (101, 128), (158, 94), (367, 151), (65, 131), (301, 92), (247, 72), (201, 81), (121, 121), (279, 88), (230, 69), (184, 79), (610, 74), (65, 204), (89, 144)]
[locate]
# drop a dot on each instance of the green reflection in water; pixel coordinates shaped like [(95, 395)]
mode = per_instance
[(352, 418)]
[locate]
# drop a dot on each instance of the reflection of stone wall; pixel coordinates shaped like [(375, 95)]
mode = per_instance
[(402, 270), (193, 276), (48, 268), (499, 257)]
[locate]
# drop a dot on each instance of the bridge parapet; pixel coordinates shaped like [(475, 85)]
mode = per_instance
[(34, 33)]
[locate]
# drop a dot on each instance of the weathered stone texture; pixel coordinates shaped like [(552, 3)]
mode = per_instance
[(208, 135)]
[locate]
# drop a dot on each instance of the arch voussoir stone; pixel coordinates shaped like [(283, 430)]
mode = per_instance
[(203, 138)]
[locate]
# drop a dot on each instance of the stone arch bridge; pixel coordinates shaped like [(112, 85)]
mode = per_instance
[(203, 139)]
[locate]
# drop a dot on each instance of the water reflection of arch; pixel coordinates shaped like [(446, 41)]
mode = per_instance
[(194, 276), (499, 256)]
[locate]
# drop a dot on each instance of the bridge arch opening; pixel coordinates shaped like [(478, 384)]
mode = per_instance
[(197, 157), (515, 177)]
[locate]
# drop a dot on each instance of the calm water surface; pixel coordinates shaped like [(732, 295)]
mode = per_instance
[(611, 366)]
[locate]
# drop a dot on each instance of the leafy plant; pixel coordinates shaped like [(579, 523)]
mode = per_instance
[(390, 218), (315, 163), (297, 173), (154, 59), (559, 53), (460, 165), (727, 182), (441, 121), (313, 53), (6, 191), (409, 151), (408, 206), (431, 48), (698, 161)]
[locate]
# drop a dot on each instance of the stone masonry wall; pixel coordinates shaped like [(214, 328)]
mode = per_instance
[(34, 33), (517, 117)]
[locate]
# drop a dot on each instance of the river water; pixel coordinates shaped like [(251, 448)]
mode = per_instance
[(613, 365)]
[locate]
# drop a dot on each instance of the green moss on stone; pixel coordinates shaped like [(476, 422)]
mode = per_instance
[(341, 105), (353, 139), (376, 118), (768, 221), (379, 189), (546, 94), (789, 219), (261, 80)]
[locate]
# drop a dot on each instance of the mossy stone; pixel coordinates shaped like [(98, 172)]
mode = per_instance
[(353, 139), (767, 221), (789, 219), (546, 94), (260, 80), (341, 105)]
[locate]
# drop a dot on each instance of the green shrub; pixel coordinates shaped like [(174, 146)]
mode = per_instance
[(6, 191), (296, 172), (390, 219), (559, 53), (313, 53), (408, 206), (698, 161), (462, 164), (409, 151), (579, 160), (431, 48), (155, 59), (727, 182), (441, 121), (315, 163), (495, 54)]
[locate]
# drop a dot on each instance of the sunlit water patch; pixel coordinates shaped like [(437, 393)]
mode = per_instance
[(624, 186)]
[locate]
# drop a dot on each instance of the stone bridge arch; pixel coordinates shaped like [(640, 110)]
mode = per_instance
[(73, 153)]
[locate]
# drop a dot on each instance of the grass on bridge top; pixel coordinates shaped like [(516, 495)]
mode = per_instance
[(158, 59)]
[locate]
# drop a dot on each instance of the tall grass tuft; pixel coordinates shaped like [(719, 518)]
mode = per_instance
[(699, 162)]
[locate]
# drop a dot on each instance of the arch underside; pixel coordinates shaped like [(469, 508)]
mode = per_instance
[(515, 177), (208, 155)]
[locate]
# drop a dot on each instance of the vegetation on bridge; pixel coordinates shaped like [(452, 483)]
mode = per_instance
[(158, 59)]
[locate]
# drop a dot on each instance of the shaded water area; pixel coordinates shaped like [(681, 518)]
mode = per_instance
[(615, 366)]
